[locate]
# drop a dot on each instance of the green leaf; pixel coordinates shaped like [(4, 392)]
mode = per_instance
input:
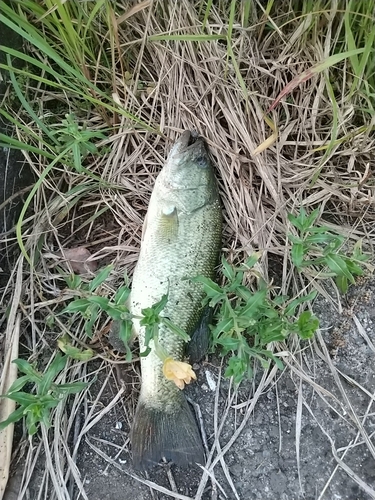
[(150, 318), (186, 38), (159, 306), (358, 255), (74, 352), (227, 343), (307, 325), (291, 307), (151, 314), (298, 222), (57, 365), (236, 368), (354, 268), (310, 219), (118, 313), (145, 353), (91, 316), (295, 239), (15, 416), (279, 363), (338, 266), (125, 331), (28, 369), (228, 270), (274, 330), (175, 329), (78, 305), (45, 417), (251, 261), (50, 320), (125, 335), (100, 278), (304, 222), (211, 289), (254, 304), (297, 254), (279, 300), (243, 292), (223, 326), (73, 281), (333, 244), (315, 239), (275, 359), (342, 283), (322, 230), (32, 422), (22, 398), (122, 295), (18, 384), (101, 301)]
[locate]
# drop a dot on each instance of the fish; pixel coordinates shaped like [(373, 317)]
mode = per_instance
[(181, 239)]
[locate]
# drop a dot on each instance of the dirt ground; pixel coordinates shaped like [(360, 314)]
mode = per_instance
[(309, 432), (262, 463)]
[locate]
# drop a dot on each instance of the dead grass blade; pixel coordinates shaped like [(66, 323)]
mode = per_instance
[(309, 73), (7, 406)]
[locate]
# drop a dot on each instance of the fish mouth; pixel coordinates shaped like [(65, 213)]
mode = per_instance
[(188, 140)]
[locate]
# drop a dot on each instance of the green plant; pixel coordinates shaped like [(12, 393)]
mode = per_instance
[(65, 38), (76, 141), (316, 247), (246, 322), (37, 407), (68, 71), (90, 304)]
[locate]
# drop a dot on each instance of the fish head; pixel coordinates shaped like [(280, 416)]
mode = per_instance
[(189, 169)]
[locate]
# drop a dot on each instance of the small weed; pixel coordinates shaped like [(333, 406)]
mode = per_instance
[(246, 322), (77, 140), (91, 303), (317, 247), (37, 407)]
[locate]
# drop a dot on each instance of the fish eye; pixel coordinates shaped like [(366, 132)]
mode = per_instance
[(201, 161)]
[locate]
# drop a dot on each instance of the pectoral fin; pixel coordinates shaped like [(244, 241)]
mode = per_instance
[(168, 224)]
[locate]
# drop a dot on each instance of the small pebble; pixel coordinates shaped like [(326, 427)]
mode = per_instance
[(210, 380)]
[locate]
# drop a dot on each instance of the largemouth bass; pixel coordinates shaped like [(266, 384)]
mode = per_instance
[(181, 239)]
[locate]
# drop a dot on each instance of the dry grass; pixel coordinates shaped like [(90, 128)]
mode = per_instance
[(322, 157)]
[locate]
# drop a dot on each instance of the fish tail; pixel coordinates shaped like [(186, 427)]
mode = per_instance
[(169, 432)]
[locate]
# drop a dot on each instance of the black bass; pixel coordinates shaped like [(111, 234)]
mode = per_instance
[(181, 239)]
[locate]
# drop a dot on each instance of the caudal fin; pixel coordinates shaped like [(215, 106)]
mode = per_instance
[(161, 433)]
